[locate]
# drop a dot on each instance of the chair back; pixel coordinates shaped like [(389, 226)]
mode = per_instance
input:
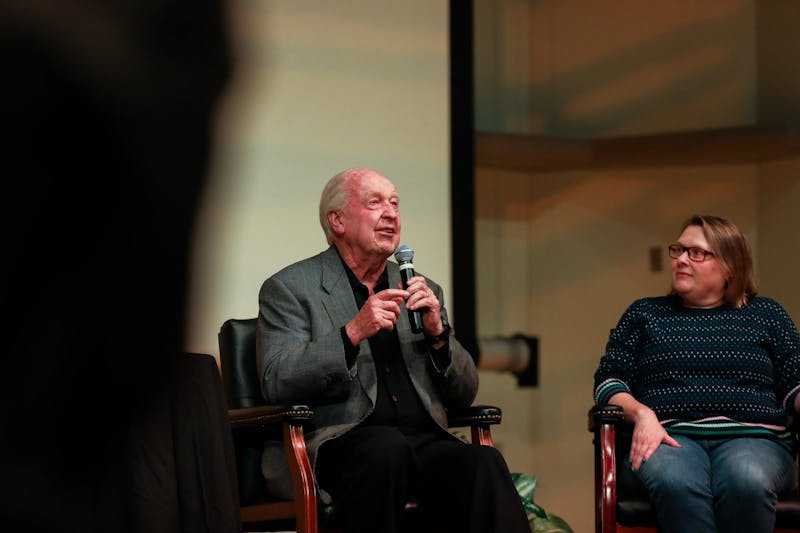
[(237, 356)]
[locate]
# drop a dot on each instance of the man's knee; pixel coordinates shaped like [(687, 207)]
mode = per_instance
[(382, 448), (366, 452), (390, 448), (483, 461), (488, 455)]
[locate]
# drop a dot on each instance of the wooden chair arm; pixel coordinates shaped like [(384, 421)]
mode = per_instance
[(269, 416), (476, 414), (604, 414), (478, 417), (288, 422), (603, 421)]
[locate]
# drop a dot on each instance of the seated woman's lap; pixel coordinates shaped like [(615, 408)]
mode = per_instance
[(718, 463), (750, 466), (728, 482)]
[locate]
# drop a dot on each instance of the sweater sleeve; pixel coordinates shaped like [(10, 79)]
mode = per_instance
[(785, 351), (617, 370)]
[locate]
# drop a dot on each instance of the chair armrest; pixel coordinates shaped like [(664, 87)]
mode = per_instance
[(603, 421), (604, 414), (483, 415), (478, 417), (266, 416), (285, 422)]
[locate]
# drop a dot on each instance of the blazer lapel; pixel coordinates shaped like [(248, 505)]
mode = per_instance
[(340, 304), (338, 299)]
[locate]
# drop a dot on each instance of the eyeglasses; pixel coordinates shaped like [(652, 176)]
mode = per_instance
[(698, 255)]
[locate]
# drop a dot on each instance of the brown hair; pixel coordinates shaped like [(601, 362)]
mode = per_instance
[(733, 252)]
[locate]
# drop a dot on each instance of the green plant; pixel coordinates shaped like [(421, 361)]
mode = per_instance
[(541, 521)]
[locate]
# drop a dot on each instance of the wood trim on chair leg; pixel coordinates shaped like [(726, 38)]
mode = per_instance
[(267, 511), (302, 478), (606, 482), (482, 435)]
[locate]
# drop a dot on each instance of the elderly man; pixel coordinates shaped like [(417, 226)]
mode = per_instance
[(333, 332)]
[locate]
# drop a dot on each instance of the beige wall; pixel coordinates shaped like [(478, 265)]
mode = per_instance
[(578, 68), (779, 233), (321, 86), (778, 49)]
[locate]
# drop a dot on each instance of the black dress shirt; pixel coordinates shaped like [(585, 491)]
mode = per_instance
[(397, 403)]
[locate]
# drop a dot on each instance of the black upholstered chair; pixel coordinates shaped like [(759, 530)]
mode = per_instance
[(621, 500), (252, 422)]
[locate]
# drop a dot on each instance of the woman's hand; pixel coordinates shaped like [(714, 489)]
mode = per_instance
[(648, 434)]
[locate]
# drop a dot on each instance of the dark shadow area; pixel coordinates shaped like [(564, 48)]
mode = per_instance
[(106, 111)]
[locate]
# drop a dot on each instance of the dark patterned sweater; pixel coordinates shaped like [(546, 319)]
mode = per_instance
[(705, 372)]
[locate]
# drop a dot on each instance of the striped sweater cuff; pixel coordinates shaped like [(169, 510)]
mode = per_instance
[(609, 388), (788, 400)]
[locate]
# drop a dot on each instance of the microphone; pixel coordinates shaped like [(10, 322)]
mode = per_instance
[(404, 256)]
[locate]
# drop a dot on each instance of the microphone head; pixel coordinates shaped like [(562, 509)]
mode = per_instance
[(404, 254)]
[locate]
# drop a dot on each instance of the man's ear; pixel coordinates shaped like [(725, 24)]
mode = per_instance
[(336, 222)]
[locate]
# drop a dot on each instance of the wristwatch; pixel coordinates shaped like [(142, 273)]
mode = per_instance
[(443, 336)]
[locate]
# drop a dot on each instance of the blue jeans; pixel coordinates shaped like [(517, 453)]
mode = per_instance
[(717, 485)]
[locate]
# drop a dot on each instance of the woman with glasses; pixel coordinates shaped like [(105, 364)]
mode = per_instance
[(708, 375)]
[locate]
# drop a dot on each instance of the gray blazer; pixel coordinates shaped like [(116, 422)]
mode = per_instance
[(301, 357)]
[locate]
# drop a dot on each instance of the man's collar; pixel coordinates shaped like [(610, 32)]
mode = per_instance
[(351, 276)]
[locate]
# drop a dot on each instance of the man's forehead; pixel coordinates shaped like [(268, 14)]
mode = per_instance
[(374, 182), (361, 172)]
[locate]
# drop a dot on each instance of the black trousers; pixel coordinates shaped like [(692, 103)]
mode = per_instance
[(372, 471)]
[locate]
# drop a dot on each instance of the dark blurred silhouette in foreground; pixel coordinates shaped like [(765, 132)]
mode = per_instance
[(106, 109)]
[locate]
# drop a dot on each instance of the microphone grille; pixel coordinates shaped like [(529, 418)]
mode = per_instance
[(404, 254)]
